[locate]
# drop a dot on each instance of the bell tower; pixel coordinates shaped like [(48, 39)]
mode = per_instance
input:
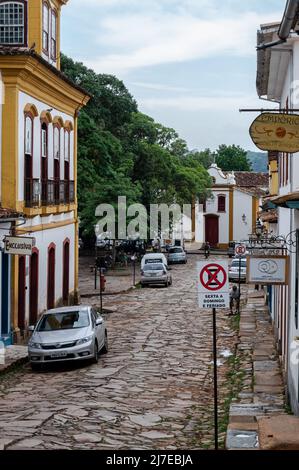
[(33, 24)]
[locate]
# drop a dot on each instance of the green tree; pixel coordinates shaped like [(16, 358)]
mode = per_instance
[(232, 158)]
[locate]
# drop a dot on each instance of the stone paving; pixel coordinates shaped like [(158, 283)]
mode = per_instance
[(153, 390), (12, 356), (262, 393)]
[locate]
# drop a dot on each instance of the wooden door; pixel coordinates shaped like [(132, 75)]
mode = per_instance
[(66, 272), (22, 292), (212, 230), (51, 278), (33, 292)]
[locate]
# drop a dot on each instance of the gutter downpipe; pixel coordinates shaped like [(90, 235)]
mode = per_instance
[(285, 25)]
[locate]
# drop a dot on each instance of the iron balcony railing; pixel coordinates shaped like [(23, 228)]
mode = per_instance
[(48, 192)]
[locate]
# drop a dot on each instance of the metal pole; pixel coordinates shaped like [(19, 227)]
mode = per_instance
[(134, 272), (215, 379), (95, 275), (101, 292), (240, 259)]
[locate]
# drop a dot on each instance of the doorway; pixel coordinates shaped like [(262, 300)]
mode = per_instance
[(51, 278), (33, 293), (66, 272), (212, 230), (22, 293)]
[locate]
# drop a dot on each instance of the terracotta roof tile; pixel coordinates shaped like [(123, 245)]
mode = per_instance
[(9, 214), (249, 179)]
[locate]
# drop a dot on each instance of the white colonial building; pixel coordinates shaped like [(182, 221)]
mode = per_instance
[(231, 212), (277, 81), (38, 137)]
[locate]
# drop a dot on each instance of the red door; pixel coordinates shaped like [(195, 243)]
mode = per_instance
[(33, 293), (212, 230), (51, 278), (66, 272), (22, 292)]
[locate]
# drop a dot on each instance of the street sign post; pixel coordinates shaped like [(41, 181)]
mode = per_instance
[(213, 292), (240, 250)]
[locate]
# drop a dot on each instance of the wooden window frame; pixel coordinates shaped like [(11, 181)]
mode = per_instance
[(46, 50), (52, 38), (221, 197), (25, 26)]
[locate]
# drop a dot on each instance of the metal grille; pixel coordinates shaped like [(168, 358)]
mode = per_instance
[(12, 23)]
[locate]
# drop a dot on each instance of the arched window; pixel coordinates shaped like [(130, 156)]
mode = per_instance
[(28, 161), (53, 35), (46, 27), (13, 19), (221, 203), (57, 163), (28, 135)]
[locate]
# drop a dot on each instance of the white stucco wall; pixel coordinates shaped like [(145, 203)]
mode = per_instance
[(242, 206), (1, 103), (25, 99), (43, 240)]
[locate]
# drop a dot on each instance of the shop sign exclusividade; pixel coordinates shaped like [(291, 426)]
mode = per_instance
[(18, 245), (276, 132)]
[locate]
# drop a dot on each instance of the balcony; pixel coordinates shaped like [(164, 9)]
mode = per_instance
[(48, 193), (32, 192)]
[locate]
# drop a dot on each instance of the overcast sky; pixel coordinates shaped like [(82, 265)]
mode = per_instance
[(190, 64)]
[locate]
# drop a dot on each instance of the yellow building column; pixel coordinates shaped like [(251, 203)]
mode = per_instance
[(255, 210), (10, 111)]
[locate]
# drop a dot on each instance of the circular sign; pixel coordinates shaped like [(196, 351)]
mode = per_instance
[(240, 249), (213, 277)]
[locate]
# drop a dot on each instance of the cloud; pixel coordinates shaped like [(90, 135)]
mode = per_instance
[(158, 87), (221, 102), (144, 40)]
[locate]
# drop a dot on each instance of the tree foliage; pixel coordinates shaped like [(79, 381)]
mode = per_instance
[(122, 152), (232, 158)]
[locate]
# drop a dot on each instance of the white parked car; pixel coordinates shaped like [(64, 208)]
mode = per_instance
[(67, 334), (234, 269), (153, 258), (155, 274)]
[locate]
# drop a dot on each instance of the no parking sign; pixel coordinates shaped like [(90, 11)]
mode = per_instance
[(213, 285)]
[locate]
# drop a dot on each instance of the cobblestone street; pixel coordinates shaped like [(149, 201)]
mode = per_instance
[(153, 390)]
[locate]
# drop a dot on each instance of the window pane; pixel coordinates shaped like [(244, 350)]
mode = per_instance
[(66, 145), (28, 136), (44, 143), (12, 23), (56, 143)]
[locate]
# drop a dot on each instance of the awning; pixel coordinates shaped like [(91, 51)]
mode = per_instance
[(289, 201)]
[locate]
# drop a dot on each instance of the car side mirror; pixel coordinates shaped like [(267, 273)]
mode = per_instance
[(99, 321), (31, 328)]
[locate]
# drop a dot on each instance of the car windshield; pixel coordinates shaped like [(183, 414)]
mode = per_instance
[(235, 264), (153, 267), (175, 250), (63, 321)]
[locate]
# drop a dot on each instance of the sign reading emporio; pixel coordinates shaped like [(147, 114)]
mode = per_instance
[(276, 132), (18, 245)]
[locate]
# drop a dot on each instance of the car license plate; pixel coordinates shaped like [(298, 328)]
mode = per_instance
[(58, 355)]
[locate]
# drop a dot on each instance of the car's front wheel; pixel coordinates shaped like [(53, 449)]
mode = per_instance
[(95, 358)]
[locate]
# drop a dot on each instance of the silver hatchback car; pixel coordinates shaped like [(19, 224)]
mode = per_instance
[(177, 255), (67, 334), (155, 273)]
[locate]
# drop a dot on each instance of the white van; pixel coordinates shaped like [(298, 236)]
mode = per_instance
[(152, 258)]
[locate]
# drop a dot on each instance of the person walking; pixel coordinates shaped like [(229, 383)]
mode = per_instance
[(207, 249), (234, 299)]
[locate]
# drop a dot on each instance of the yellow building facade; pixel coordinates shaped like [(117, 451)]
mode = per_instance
[(38, 141)]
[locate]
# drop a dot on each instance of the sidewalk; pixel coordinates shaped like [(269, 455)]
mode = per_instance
[(258, 419), (12, 356), (118, 281)]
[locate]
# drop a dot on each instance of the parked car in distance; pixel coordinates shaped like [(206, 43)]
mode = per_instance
[(176, 255), (155, 274), (233, 272), (67, 334), (153, 258)]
